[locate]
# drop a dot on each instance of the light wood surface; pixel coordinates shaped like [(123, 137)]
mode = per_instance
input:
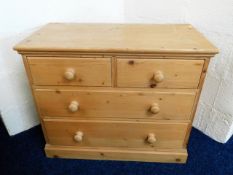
[(125, 134), (171, 73), (78, 136), (155, 108), (151, 138), (171, 156), (87, 71), (117, 91), (137, 38), (73, 106), (25, 62), (201, 82), (114, 103)]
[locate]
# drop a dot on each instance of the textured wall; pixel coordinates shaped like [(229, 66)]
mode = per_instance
[(214, 18)]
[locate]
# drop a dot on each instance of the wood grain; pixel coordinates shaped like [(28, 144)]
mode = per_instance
[(27, 68), (140, 73), (116, 104), (126, 38), (124, 134), (171, 156), (93, 88), (88, 71), (201, 82)]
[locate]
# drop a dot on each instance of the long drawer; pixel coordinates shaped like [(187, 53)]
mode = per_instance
[(159, 73), (88, 103), (70, 71), (104, 133)]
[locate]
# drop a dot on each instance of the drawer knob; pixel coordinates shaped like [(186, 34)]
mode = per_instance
[(158, 76), (155, 108), (78, 137), (69, 74), (73, 107), (151, 138)]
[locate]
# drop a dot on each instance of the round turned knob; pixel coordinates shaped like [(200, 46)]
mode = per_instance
[(73, 107), (151, 138), (78, 137), (69, 74), (155, 108), (158, 76)]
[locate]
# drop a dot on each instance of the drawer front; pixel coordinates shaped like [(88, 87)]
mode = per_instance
[(127, 104), (70, 71), (99, 133), (161, 73)]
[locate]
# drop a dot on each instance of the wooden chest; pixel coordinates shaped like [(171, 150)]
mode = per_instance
[(116, 91)]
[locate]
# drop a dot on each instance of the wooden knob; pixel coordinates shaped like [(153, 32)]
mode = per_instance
[(73, 107), (69, 74), (158, 76), (78, 137), (155, 108), (151, 138)]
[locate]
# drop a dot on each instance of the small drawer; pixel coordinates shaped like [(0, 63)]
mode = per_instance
[(70, 71), (102, 133), (92, 103), (161, 73)]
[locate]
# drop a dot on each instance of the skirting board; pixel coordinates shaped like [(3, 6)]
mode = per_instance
[(174, 156)]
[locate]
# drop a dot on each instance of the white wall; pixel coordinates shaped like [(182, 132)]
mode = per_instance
[(18, 19), (214, 18)]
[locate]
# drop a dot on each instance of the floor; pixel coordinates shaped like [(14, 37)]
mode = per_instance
[(23, 154)]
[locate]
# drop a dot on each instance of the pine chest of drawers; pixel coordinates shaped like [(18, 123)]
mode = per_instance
[(115, 91)]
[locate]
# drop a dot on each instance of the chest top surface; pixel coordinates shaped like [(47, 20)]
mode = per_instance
[(125, 38)]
